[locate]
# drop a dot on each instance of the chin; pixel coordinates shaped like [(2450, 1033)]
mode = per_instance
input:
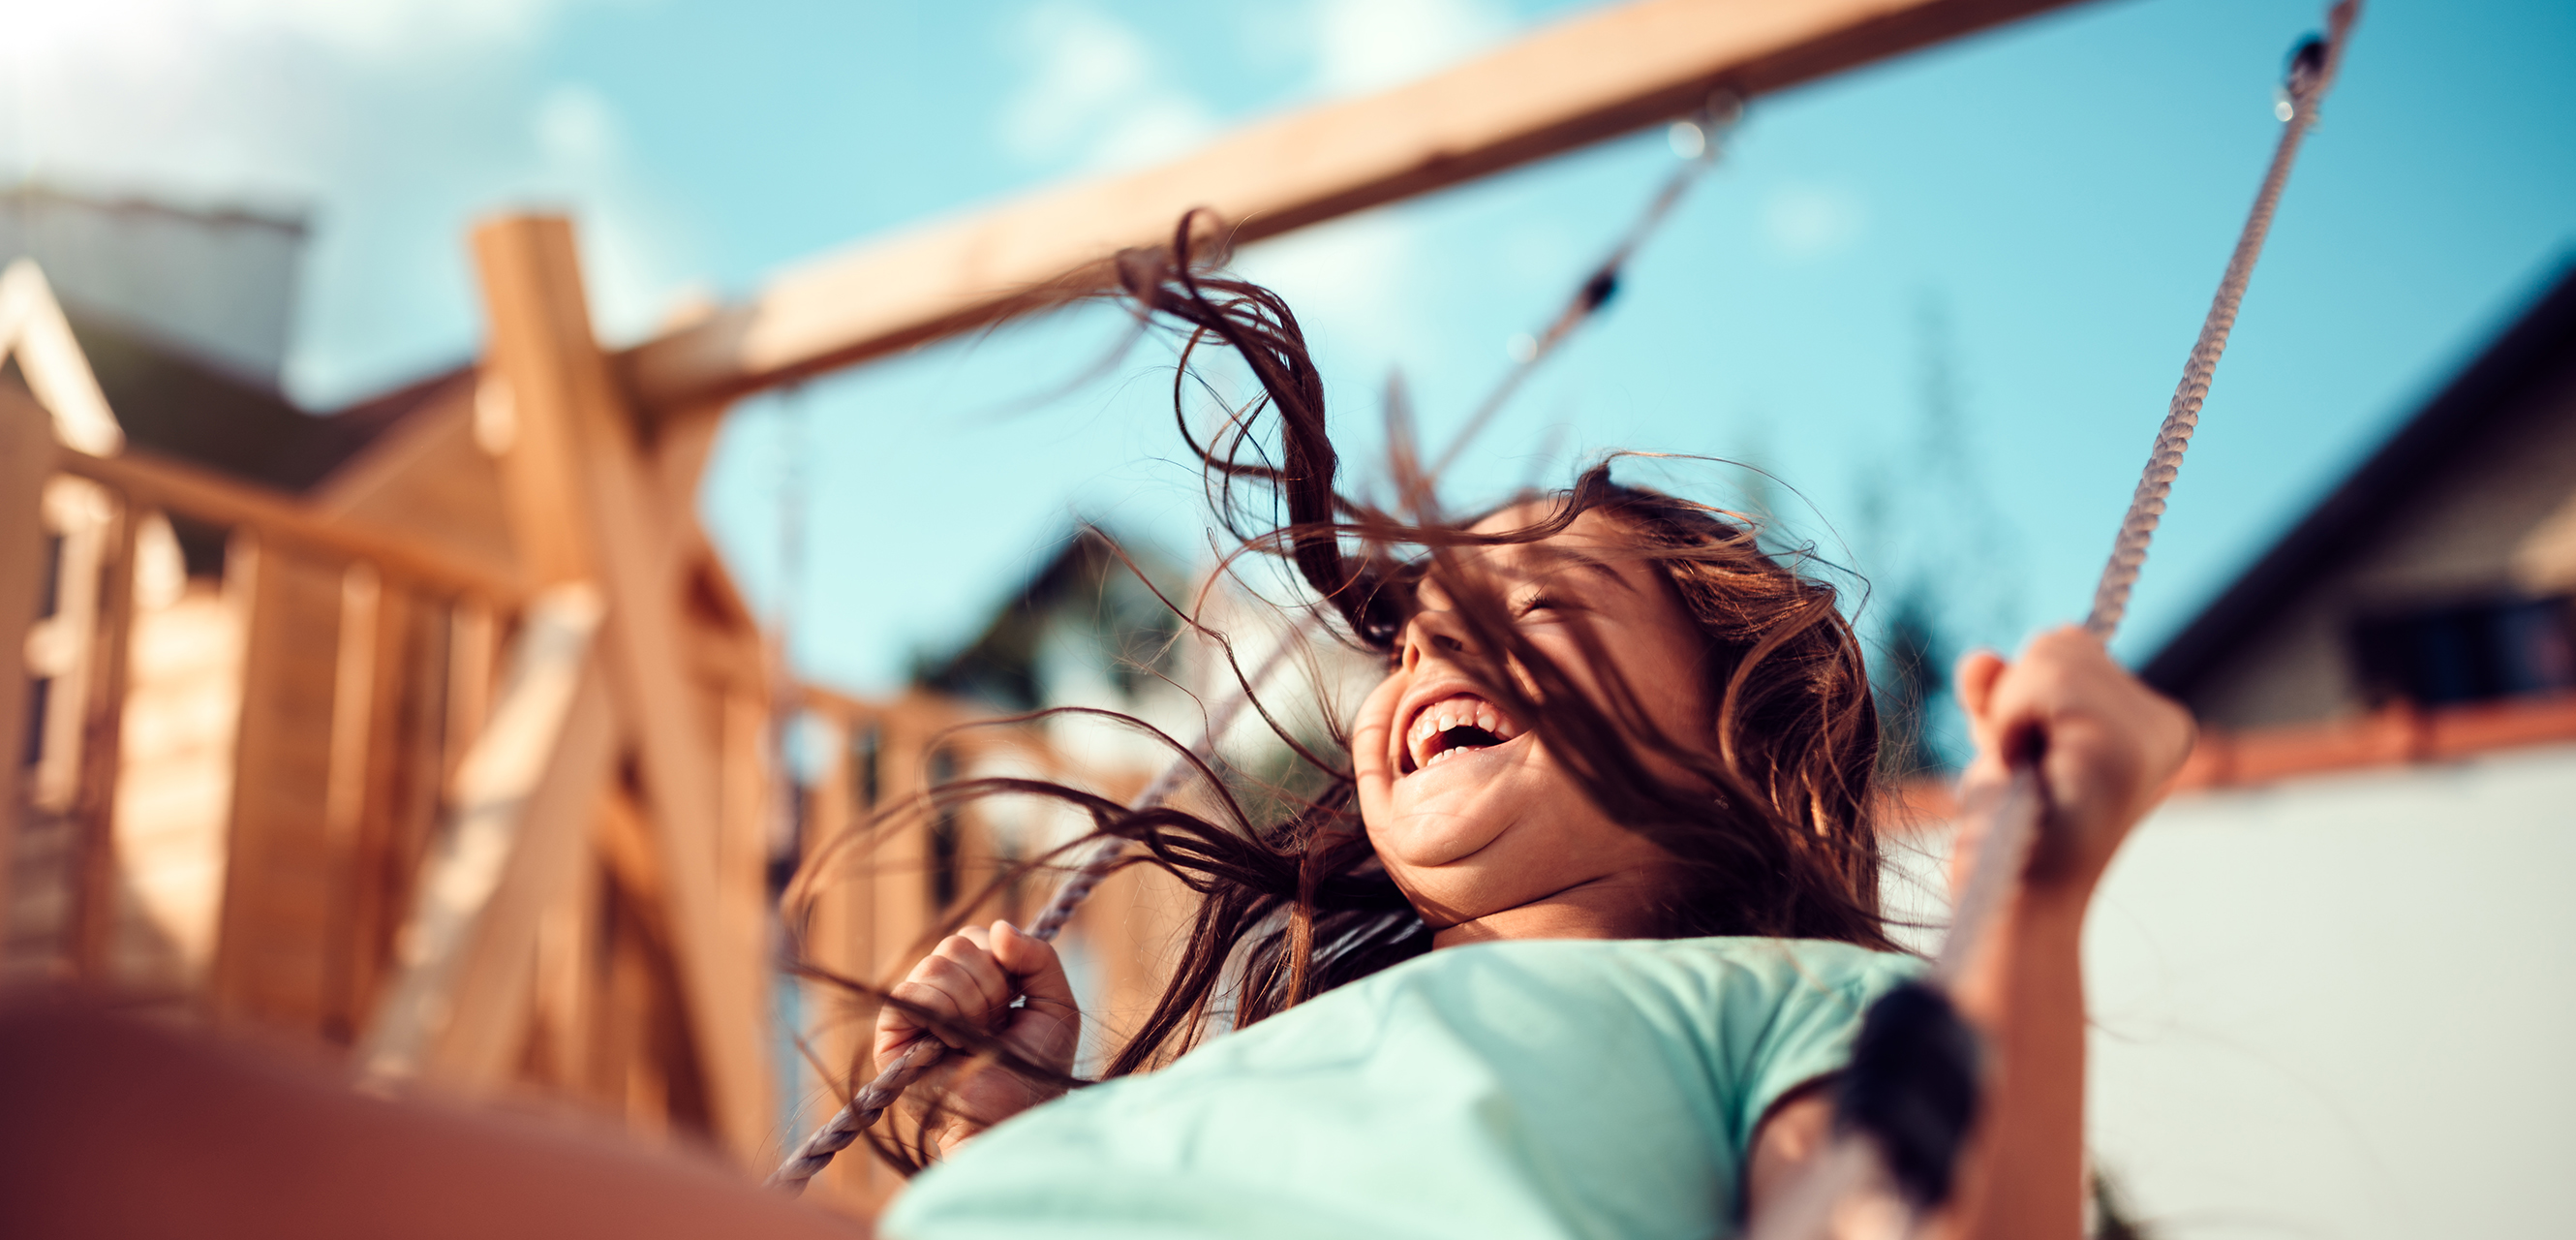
[(1430, 836), (1455, 809)]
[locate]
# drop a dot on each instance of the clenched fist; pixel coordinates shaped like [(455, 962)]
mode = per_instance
[(2108, 745), (1000, 980)]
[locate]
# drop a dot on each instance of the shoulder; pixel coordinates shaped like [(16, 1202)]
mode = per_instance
[(1740, 986), (1809, 964), (1750, 1020), (1787, 964)]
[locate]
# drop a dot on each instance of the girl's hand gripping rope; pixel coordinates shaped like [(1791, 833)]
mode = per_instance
[(2101, 748), (2107, 747), (1000, 980)]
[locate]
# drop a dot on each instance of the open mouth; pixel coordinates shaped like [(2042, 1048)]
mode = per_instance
[(1458, 723)]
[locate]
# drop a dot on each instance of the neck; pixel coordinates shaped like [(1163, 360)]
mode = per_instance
[(1616, 906)]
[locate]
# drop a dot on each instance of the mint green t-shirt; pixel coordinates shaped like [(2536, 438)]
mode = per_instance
[(1547, 1088)]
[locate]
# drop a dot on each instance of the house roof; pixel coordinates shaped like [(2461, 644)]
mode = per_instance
[(1088, 582), (171, 403), (2537, 345)]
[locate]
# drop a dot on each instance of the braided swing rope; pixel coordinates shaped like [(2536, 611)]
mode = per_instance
[(1715, 121), (1853, 1163), (867, 1104), (2312, 70)]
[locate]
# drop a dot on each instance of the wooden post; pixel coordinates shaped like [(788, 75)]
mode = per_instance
[(26, 459), (357, 707), (102, 731), (396, 772), (583, 500)]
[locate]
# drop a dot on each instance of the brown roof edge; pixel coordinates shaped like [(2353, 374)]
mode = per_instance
[(2397, 736)]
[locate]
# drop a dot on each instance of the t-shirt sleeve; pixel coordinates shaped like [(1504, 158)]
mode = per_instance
[(1815, 1017)]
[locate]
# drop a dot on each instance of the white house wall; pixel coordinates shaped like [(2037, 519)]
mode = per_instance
[(2342, 1007)]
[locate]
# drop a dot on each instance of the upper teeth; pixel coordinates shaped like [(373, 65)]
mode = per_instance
[(1458, 712)]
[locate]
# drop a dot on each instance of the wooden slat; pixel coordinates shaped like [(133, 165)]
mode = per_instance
[(78, 514), (585, 500), (837, 932), (405, 775), (1575, 83), (473, 652), (102, 732), (158, 482), (26, 458), (565, 992), (283, 866), (745, 806), (49, 357)]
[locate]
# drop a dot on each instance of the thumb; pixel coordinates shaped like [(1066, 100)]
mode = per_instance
[(1974, 682), (1033, 965)]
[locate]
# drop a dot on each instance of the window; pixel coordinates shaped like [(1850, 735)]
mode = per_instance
[(2469, 652)]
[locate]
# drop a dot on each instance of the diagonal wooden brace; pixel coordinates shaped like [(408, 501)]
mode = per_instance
[(588, 504)]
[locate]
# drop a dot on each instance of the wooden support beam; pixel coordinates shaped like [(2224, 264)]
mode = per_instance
[(194, 491), (586, 503), (1575, 83)]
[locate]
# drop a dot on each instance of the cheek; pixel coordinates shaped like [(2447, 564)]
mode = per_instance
[(1671, 681)]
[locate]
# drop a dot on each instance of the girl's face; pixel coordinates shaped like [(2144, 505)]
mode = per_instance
[(1468, 811)]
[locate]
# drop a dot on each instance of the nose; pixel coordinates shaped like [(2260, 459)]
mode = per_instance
[(1434, 630)]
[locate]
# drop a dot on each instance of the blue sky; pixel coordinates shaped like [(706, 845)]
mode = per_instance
[(2036, 216)]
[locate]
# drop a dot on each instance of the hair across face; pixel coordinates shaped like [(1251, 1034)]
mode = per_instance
[(1467, 807), (1689, 717)]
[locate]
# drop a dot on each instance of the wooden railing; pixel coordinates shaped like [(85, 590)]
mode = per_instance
[(363, 658)]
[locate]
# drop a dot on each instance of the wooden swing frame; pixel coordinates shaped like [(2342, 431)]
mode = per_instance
[(601, 458)]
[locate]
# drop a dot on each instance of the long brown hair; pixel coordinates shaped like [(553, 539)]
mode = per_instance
[(1768, 821)]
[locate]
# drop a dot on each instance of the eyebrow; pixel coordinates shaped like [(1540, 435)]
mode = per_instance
[(1593, 564)]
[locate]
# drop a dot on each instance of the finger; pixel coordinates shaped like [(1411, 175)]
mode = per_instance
[(944, 998), (921, 989), (970, 951), (2063, 677), (1035, 969), (949, 987)]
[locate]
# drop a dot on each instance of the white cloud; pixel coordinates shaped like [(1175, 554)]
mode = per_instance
[(635, 257), (1363, 45), (390, 122), (381, 31), (391, 29), (1094, 96), (1347, 276), (575, 127), (1808, 221)]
